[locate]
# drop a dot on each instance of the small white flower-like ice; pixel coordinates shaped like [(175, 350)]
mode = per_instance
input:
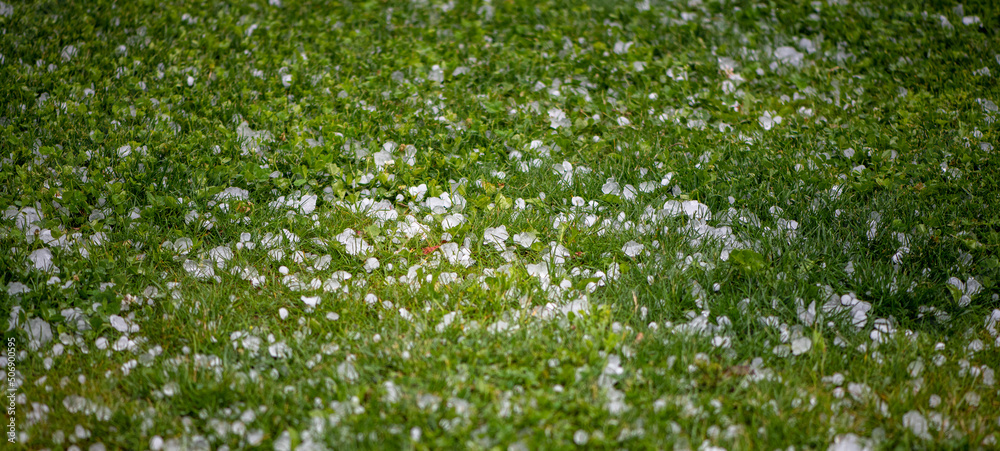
[(41, 260), (123, 325), (916, 423), (768, 120), (801, 345), (310, 301), (353, 244), (557, 118), (232, 193), (497, 236), (525, 239), (453, 220), (633, 249)]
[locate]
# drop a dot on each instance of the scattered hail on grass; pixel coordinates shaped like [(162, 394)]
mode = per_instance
[(288, 243)]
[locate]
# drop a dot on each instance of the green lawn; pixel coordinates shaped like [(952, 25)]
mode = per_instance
[(500, 225)]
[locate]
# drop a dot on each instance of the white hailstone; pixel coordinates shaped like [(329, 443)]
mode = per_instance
[(15, 288), (322, 262), (497, 236), (41, 260), (565, 171), (453, 220), (915, 368), (557, 253), (332, 316), (629, 192), (200, 270), (392, 393), (539, 270), (526, 239), (991, 322), (307, 204), (353, 244), (182, 245), (252, 343), (382, 159), (850, 442), (916, 423), (624, 122), (283, 313), (371, 264), (580, 437), (310, 301), (68, 52), (24, 219), (622, 48), (989, 376), (171, 388), (439, 205), (557, 118), (39, 333), (457, 255), (255, 437), (971, 20), (279, 350), (768, 120), (615, 404), (123, 343), (633, 249), (446, 321), (801, 345), (692, 208), (968, 289), (972, 398), (286, 80), (806, 314), (446, 278), (611, 187), (405, 314), (436, 74), (648, 187), (883, 330), (221, 254), (415, 433), (346, 369), (788, 55), (418, 192), (232, 193), (123, 325), (252, 141)]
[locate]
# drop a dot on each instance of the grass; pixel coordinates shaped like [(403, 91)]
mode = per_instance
[(491, 225)]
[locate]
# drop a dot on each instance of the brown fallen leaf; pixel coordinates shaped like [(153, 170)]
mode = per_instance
[(739, 370)]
